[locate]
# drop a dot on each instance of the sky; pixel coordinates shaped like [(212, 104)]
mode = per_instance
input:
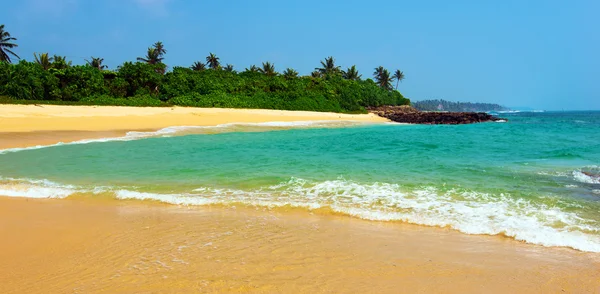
[(541, 54)]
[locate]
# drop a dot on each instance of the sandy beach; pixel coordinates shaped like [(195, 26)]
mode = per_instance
[(27, 125), (98, 245)]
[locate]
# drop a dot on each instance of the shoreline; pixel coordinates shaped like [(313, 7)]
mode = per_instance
[(92, 245), (97, 245), (31, 125)]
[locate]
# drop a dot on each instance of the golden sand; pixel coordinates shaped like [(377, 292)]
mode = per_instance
[(75, 246), (92, 245), (78, 122)]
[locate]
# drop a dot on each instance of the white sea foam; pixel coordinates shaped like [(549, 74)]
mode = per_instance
[(584, 177), (34, 188), (170, 131), (553, 173), (466, 211)]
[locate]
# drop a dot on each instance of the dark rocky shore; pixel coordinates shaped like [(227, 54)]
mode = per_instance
[(407, 114)]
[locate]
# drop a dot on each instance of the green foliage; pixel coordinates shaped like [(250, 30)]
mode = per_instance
[(351, 73), (229, 68), (155, 54), (198, 66), (143, 84), (398, 76), (44, 60), (6, 45), (142, 78), (383, 78), (60, 62), (328, 68), (290, 73), (96, 62), (213, 61), (268, 69)]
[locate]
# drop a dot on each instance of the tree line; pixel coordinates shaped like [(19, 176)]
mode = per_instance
[(206, 83), (443, 105)]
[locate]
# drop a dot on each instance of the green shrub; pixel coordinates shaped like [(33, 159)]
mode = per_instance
[(142, 84)]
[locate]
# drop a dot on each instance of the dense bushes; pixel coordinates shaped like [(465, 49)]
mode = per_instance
[(143, 84)]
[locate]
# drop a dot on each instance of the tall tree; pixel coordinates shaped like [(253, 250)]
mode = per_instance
[(268, 69), (328, 67), (383, 78), (44, 60), (290, 73), (6, 45), (160, 48), (398, 76), (152, 56), (213, 61), (198, 66), (252, 68), (96, 62), (228, 67), (351, 74), (155, 54), (60, 62)]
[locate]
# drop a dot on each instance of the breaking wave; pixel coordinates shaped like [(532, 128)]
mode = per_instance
[(588, 175), (543, 221)]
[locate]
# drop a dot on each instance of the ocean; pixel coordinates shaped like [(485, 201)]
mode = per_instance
[(534, 178)]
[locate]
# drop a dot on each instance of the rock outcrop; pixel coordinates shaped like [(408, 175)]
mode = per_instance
[(408, 114)]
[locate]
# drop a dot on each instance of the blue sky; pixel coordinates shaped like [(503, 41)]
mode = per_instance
[(541, 54)]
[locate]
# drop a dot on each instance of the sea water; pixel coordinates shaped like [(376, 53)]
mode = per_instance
[(534, 178)]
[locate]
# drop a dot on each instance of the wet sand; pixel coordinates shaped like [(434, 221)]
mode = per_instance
[(27, 125), (87, 245), (91, 246)]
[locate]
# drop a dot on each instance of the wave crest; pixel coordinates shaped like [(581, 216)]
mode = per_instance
[(588, 175), (538, 221)]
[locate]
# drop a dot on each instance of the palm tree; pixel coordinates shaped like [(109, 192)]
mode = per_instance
[(6, 45), (96, 62), (213, 61), (268, 69), (398, 76), (152, 56), (383, 78), (228, 68), (351, 74), (290, 74), (315, 74), (44, 60), (328, 67), (155, 54), (198, 66), (252, 68), (60, 62), (160, 48)]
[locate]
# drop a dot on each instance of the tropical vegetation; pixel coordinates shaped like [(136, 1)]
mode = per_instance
[(443, 105), (6, 45), (149, 82)]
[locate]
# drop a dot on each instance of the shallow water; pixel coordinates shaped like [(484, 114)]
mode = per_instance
[(533, 178)]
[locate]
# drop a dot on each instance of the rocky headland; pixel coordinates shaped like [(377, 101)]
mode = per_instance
[(408, 114)]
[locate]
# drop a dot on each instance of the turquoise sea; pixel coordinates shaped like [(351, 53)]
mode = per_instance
[(534, 178)]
